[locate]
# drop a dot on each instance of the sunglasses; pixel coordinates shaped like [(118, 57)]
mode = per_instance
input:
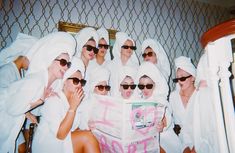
[(102, 87), (127, 47), (63, 62), (181, 79), (127, 86), (76, 81), (90, 48), (103, 45), (149, 54), (148, 86)]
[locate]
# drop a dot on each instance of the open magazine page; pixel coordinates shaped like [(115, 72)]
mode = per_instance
[(125, 126)]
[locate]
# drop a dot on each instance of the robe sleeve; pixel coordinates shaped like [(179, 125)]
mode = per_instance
[(6, 76), (22, 93)]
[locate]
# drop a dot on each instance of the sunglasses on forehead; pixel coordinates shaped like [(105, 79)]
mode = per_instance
[(63, 62), (127, 47), (149, 54), (127, 86), (76, 81), (103, 45), (90, 48), (148, 86), (102, 87), (181, 79)]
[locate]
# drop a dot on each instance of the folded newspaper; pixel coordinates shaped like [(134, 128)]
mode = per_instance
[(125, 126)]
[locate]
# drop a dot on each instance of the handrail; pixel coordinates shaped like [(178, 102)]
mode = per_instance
[(218, 31)]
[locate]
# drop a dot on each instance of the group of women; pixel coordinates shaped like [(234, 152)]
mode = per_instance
[(62, 74)]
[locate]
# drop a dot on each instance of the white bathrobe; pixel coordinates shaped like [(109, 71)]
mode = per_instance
[(8, 74), (52, 114), (20, 94), (168, 139), (200, 128), (16, 100)]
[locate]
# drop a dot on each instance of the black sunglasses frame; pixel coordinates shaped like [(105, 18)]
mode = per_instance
[(148, 86), (127, 47), (103, 45), (63, 62), (127, 86), (76, 81), (181, 79), (102, 87), (149, 54), (89, 48)]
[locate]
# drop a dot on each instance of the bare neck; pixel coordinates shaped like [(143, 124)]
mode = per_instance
[(124, 59), (100, 59), (85, 61), (188, 92), (51, 78)]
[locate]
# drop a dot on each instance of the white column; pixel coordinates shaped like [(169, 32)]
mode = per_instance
[(211, 50), (226, 94)]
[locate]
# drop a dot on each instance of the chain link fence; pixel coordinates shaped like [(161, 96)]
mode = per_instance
[(176, 24)]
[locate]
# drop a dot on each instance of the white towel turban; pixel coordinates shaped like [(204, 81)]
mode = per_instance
[(20, 47), (48, 48), (185, 64)]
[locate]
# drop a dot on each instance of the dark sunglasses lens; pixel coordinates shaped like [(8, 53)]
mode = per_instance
[(175, 80), (106, 46), (149, 86), (103, 45), (125, 47), (144, 55), (125, 86), (63, 62), (95, 50), (150, 54), (140, 86), (133, 86), (76, 81), (133, 47), (182, 79), (107, 88), (69, 64), (100, 87), (83, 82), (88, 48)]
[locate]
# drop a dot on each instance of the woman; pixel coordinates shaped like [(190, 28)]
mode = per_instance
[(103, 56), (49, 63), (126, 82), (99, 84), (153, 52), (153, 87), (13, 59), (55, 133), (123, 49), (184, 93), (87, 40)]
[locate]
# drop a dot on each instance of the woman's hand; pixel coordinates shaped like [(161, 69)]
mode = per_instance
[(48, 92), (161, 124), (31, 117), (76, 99)]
